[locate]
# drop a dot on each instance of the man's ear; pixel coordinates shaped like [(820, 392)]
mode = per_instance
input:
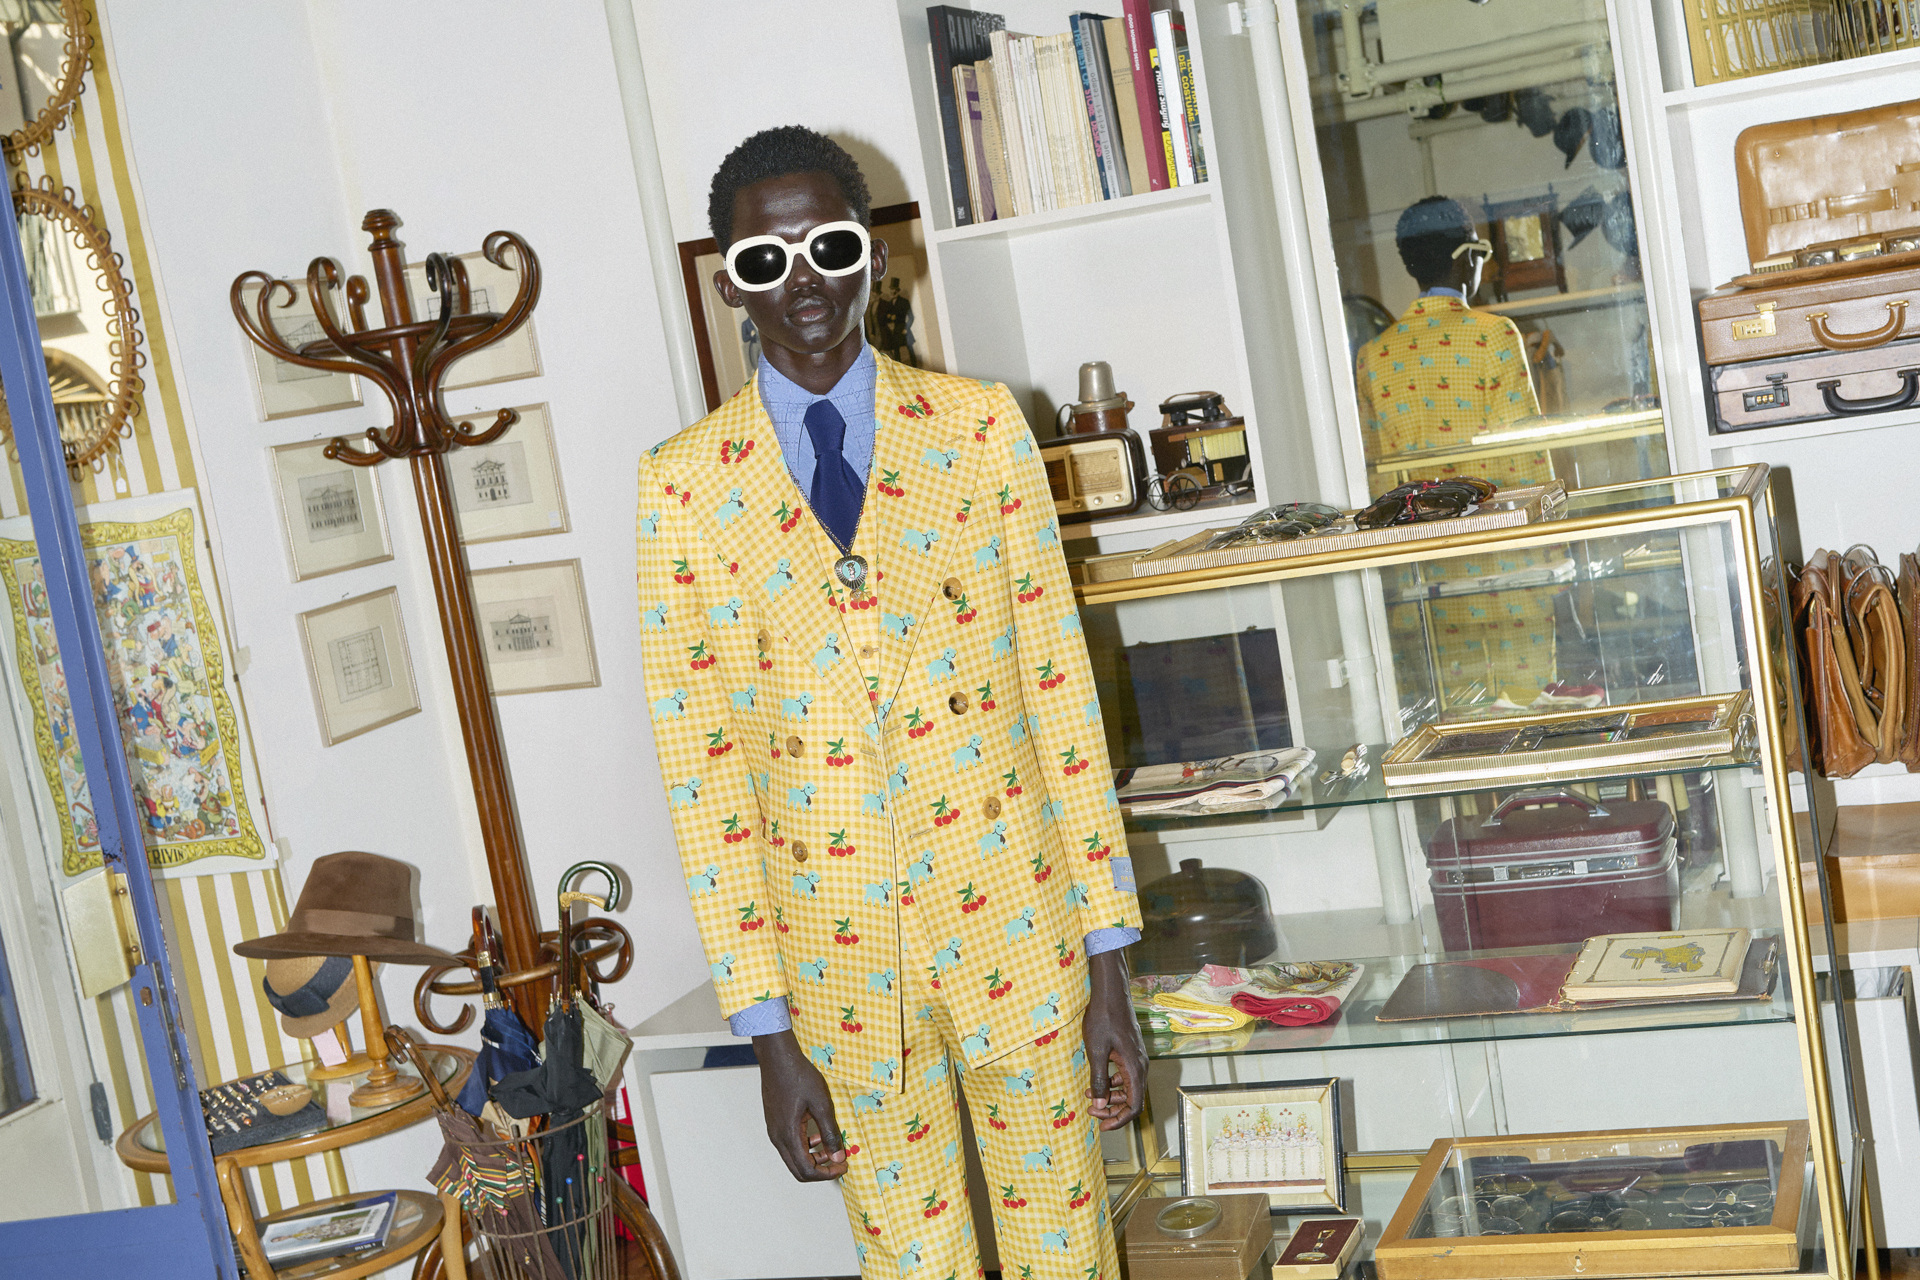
[(879, 262), (729, 293)]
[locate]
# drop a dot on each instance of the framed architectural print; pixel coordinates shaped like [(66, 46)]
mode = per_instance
[(357, 660), (510, 488), (491, 289), (900, 320), (165, 640), (283, 390), (1282, 1139), (330, 512), (533, 622)]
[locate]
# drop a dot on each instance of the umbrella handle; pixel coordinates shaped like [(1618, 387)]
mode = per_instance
[(614, 893), (402, 1045)]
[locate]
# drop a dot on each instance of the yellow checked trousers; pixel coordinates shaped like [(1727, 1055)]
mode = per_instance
[(906, 1186)]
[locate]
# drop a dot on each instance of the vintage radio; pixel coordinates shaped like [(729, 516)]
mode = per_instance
[(1096, 474), (1199, 442)]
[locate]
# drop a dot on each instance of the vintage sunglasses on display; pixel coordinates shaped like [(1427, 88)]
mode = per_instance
[(1425, 500), (1481, 247), (759, 263)]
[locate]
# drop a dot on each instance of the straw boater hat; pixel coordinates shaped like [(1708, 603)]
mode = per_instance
[(353, 904), (311, 993)]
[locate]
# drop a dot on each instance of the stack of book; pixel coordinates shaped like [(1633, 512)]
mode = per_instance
[(1037, 123)]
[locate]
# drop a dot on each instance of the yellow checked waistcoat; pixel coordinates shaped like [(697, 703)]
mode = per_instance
[(875, 788)]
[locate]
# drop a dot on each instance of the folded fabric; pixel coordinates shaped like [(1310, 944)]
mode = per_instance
[(1285, 992), (1255, 780)]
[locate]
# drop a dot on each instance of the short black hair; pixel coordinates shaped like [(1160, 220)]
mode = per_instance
[(775, 153), (1428, 233)]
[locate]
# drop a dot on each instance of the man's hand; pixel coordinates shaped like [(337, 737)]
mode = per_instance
[(791, 1090), (1116, 1053)]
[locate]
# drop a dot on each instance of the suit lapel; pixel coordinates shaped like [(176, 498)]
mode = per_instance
[(923, 474), (777, 553)]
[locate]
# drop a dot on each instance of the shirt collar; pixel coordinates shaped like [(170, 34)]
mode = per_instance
[(1446, 291)]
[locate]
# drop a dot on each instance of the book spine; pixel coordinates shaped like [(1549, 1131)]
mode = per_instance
[(1172, 118), (1190, 104), (994, 139), (968, 97), (1107, 122), (1033, 124), (1091, 110), (1065, 156), (1006, 75), (986, 201), (1146, 93), (1126, 112), (941, 21)]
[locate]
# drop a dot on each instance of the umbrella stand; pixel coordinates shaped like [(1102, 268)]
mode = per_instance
[(541, 1207)]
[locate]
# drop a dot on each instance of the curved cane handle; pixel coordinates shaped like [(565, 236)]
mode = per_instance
[(1896, 320)]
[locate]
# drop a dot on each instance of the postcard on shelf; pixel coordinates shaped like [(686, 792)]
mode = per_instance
[(1319, 1249), (346, 1228), (1623, 966)]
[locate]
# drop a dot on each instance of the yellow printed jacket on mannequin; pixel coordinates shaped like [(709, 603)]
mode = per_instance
[(905, 781)]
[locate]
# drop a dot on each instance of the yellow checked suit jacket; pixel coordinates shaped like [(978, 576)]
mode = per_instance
[(876, 790)]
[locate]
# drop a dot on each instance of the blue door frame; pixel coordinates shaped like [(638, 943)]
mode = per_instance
[(190, 1237)]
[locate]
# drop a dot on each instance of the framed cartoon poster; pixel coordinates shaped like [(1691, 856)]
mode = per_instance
[(900, 322), (165, 642), (1282, 1139)]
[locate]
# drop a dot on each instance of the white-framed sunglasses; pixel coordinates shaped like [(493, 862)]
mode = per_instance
[(759, 263), (1480, 247)]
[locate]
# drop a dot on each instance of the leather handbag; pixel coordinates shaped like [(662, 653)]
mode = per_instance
[(1841, 747), (1879, 647), (1778, 638), (1907, 595)]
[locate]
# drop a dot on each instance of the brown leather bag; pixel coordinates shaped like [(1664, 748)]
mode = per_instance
[(1842, 744), (1907, 595), (1831, 177), (1778, 637), (1879, 647)]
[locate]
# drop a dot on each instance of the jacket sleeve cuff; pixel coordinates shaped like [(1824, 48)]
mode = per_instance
[(769, 1016), (1098, 941)]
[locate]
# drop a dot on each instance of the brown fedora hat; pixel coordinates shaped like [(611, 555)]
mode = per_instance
[(311, 993), (353, 904)]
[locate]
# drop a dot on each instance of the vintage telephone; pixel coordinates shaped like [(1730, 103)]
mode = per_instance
[(1199, 446)]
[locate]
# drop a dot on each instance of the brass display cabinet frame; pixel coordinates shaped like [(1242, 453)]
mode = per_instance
[(1742, 500)]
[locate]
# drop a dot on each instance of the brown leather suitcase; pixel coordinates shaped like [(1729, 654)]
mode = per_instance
[(1831, 177), (1815, 385), (1847, 314)]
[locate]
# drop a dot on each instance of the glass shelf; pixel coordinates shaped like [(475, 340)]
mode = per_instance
[(1373, 790), (1355, 1026)]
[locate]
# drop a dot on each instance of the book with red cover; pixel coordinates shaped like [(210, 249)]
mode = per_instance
[(1146, 91)]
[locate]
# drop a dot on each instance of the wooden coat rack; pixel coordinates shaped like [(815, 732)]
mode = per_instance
[(408, 360)]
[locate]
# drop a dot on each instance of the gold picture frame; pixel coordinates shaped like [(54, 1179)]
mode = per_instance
[(1622, 739), (1282, 1138), (358, 665)]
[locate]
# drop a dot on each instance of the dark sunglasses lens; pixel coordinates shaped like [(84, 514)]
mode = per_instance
[(835, 250), (762, 264)]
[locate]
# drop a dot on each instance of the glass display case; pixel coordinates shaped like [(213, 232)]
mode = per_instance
[(1480, 917)]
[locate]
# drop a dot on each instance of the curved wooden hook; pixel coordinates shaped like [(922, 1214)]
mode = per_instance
[(423, 993), (261, 330), (462, 433)]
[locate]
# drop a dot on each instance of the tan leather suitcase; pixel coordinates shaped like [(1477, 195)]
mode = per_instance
[(1847, 314), (1829, 178)]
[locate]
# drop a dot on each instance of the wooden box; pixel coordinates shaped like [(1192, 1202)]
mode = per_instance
[(1712, 1200), (1227, 1251)]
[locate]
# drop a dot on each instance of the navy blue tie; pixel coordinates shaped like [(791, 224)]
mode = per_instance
[(837, 492)]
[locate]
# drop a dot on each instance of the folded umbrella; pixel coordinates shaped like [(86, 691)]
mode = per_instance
[(572, 1162)]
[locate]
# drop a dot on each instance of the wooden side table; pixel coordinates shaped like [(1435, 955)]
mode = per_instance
[(142, 1147)]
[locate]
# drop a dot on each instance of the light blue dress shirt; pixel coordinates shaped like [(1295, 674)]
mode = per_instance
[(787, 403)]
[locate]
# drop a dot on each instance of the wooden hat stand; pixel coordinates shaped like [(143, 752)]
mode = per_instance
[(384, 1085)]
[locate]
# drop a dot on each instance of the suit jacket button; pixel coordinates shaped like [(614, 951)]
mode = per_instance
[(991, 808), (799, 850), (867, 650), (766, 640), (795, 747), (953, 588), (958, 704)]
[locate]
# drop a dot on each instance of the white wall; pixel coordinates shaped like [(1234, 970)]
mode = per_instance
[(261, 134)]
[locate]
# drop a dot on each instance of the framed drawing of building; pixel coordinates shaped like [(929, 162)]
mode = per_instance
[(283, 390), (900, 320), (510, 488), (490, 288), (358, 663), (331, 513), (533, 623), (174, 689)]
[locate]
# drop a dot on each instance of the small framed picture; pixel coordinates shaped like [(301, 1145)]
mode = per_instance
[(533, 623), (510, 488), (490, 288), (331, 512), (357, 659), (285, 390), (1282, 1139)]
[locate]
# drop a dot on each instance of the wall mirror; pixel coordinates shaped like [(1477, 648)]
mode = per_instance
[(89, 329), (48, 45)]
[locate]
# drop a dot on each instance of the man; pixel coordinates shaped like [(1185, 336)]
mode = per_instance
[(882, 746), (1438, 376)]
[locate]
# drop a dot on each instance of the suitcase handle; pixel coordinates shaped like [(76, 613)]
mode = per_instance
[(1593, 808), (1896, 319), (1908, 393)]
